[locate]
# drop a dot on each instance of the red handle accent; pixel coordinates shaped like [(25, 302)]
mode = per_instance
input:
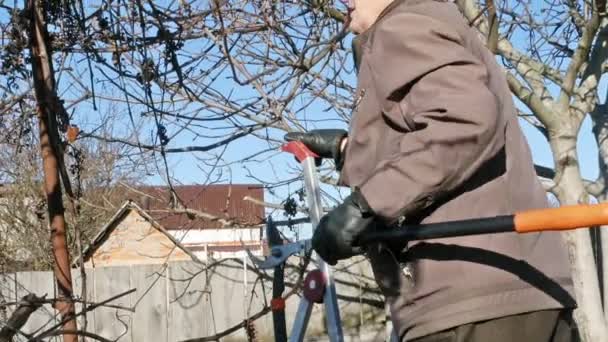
[(314, 286), (299, 150), (277, 304)]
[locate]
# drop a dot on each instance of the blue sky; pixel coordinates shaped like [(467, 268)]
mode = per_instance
[(542, 155), (184, 166)]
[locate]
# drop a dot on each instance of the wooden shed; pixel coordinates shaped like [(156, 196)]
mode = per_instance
[(131, 237)]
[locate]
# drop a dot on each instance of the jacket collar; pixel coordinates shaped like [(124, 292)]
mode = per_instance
[(389, 8)]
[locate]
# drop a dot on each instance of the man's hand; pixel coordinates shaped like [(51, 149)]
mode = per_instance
[(326, 143), (336, 235)]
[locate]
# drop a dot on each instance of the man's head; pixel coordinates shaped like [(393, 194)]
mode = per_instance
[(364, 13)]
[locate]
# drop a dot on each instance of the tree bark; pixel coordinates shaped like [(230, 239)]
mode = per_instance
[(600, 191), (44, 86), (600, 132)]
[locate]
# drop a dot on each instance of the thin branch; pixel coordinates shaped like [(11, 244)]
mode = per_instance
[(578, 60), (586, 93), (5, 106), (89, 308), (232, 329), (77, 333), (157, 148)]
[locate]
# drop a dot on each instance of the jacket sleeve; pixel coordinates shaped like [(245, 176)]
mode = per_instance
[(434, 87)]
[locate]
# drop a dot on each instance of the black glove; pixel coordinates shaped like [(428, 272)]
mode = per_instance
[(336, 236), (324, 142)]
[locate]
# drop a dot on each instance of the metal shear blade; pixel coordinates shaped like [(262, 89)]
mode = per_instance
[(279, 254)]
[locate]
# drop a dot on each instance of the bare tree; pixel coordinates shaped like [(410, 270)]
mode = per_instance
[(99, 171), (218, 83)]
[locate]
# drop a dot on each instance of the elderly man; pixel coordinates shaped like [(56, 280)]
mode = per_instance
[(434, 137)]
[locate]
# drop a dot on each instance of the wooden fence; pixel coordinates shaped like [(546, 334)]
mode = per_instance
[(184, 300)]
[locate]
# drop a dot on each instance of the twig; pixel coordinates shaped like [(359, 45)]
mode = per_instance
[(232, 329), (53, 300), (79, 333), (50, 331)]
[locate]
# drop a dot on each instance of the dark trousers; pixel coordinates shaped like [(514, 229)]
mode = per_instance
[(541, 326)]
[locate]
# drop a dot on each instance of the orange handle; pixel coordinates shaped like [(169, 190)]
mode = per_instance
[(562, 218)]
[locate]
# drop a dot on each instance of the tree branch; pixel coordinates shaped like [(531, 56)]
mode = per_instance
[(535, 103), (27, 306), (530, 70), (578, 60), (77, 333), (585, 96), (157, 148), (5, 106), (51, 331)]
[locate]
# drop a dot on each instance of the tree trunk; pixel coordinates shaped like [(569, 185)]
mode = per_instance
[(44, 86), (570, 190), (601, 193), (599, 189)]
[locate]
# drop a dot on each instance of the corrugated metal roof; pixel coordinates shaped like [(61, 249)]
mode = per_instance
[(224, 201)]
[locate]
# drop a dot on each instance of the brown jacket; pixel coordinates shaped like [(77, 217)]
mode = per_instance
[(435, 137)]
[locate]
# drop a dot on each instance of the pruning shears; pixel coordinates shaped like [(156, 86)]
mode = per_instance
[(318, 285), (280, 253)]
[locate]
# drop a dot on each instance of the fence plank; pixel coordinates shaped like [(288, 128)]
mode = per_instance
[(227, 295), (150, 319), (40, 284), (258, 296), (233, 303), (113, 323), (186, 301), (211, 309), (90, 298)]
